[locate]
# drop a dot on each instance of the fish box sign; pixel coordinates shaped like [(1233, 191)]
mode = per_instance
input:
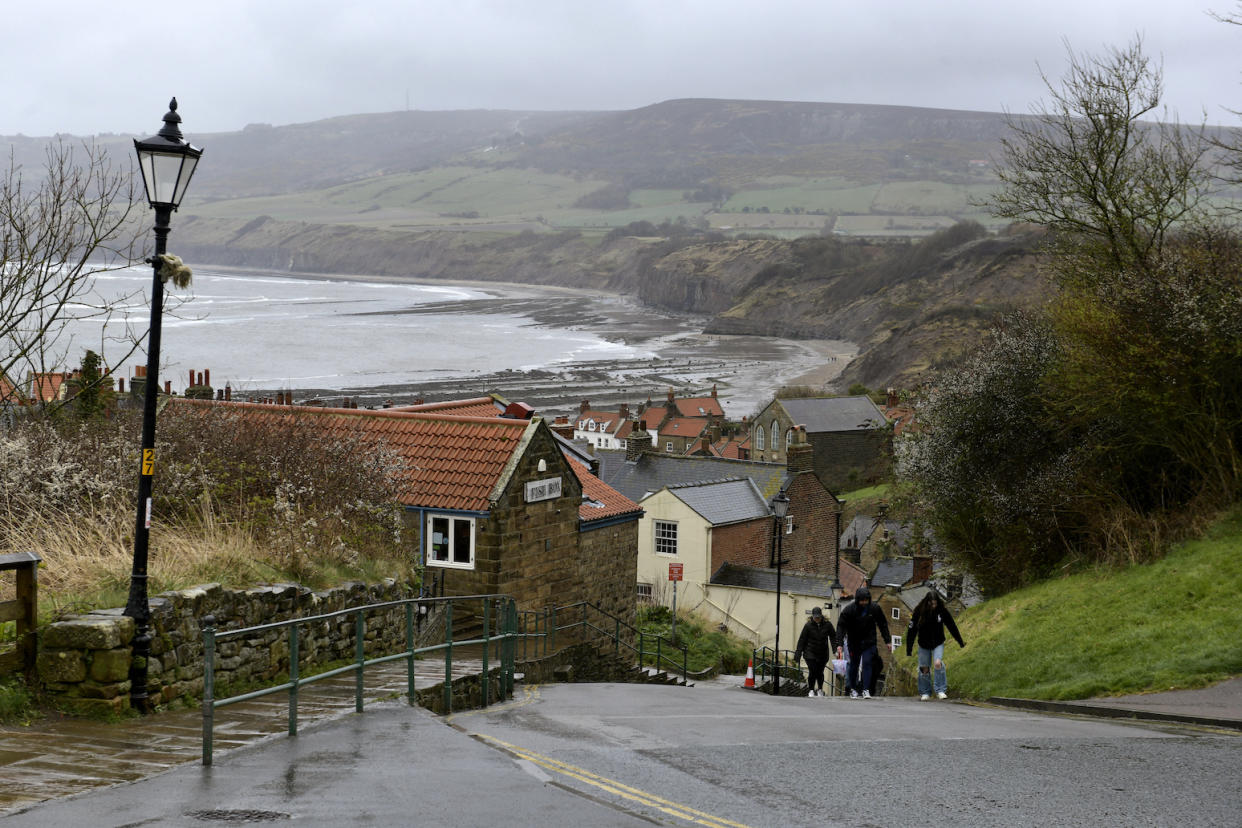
[(546, 489)]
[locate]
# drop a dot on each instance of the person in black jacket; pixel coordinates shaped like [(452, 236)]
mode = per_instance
[(816, 643), (927, 624), (857, 627)]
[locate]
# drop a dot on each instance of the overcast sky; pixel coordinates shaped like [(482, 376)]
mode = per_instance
[(92, 66)]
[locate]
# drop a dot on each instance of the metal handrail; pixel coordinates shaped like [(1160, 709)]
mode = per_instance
[(659, 658), (767, 661), (507, 619)]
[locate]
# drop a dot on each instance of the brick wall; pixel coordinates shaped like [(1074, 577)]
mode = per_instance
[(745, 544), (848, 460)]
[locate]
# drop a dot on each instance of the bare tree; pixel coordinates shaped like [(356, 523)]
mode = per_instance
[(58, 229), (1090, 168)]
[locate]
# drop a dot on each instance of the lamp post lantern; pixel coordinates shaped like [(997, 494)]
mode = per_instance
[(780, 508), (167, 163)]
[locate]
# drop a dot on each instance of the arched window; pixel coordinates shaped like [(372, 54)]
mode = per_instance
[(776, 436), (759, 438), (788, 438)]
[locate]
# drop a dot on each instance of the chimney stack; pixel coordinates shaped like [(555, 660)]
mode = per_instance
[(228, 393), (893, 399), (922, 568), (584, 407), (625, 411), (638, 442), (713, 390), (168, 387), (800, 456)]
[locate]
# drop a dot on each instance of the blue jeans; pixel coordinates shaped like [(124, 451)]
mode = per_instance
[(926, 659), (861, 667)]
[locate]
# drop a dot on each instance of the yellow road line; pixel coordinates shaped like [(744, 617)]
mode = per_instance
[(612, 786)]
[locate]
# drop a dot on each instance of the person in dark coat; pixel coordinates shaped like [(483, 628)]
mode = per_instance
[(857, 627), (928, 623), (816, 643)]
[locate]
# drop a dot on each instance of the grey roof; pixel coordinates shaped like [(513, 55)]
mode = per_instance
[(756, 577), (654, 471), (723, 501), (896, 571), (858, 530), (820, 414)]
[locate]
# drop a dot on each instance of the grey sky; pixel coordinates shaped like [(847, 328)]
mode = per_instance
[(91, 66)]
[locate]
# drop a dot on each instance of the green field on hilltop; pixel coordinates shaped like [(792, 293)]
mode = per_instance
[(1172, 624)]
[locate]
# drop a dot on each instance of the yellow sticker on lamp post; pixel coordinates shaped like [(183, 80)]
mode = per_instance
[(148, 462)]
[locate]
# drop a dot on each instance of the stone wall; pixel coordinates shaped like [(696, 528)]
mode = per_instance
[(83, 662)]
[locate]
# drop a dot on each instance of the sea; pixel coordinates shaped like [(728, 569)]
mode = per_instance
[(258, 331)]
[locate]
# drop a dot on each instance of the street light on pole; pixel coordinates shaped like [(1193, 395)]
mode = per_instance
[(780, 508), (167, 162)]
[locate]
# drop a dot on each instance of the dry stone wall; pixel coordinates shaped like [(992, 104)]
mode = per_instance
[(83, 662)]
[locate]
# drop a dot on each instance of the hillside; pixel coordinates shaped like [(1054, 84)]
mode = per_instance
[(662, 202), (1166, 625)]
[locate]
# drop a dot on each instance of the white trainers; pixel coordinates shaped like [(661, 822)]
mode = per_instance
[(811, 694), (942, 695), (853, 694), (924, 697), (866, 694)]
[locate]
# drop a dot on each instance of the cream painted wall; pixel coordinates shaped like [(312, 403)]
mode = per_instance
[(751, 613), (694, 551)]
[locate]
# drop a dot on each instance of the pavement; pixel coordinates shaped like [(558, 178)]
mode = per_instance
[(1217, 706), (72, 759)]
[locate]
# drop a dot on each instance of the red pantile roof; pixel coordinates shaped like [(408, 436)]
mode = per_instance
[(475, 407), (601, 500), (699, 407), (852, 577), (653, 415), (728, 447), (683, 427), (450, 462), (46, 386), (10, 392)]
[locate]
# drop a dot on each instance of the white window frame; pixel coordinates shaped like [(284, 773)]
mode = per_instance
[(776, 437), (450, 559), (896, 613), (657, 541), (646, 592), (896, 641), (668, 446), (789, 524), (758, 438)]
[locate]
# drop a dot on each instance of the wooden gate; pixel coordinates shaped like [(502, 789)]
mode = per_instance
[(23, 609)]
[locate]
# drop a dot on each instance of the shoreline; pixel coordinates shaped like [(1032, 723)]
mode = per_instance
[(747, 370)]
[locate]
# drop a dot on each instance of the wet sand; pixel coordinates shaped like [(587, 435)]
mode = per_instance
[(746, 370)]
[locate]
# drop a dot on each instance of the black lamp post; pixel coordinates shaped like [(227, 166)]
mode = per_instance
[(167, 162), (837, 588), (780, 508)]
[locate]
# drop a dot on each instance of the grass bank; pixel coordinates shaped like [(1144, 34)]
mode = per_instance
[(706, 644), (1168, 625)]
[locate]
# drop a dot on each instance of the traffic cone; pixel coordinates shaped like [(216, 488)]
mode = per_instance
[(750, 674)]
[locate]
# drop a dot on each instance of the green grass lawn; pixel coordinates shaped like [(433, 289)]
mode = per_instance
[(1168, 625)]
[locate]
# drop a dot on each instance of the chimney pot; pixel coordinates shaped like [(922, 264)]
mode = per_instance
[(207, 376), (228, 393), (120, 385), (168, 387), (191, 377)]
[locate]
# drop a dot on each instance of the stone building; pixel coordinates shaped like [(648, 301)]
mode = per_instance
[(852, 440), (495, 503)]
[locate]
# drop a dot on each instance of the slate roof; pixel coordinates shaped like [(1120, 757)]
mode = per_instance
[(451, 462), (601, 501), (654, 471), (722, 502), (756, 577), (896, 571), (821, 414)]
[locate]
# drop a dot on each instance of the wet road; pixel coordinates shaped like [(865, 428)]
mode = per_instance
[(716, 755)]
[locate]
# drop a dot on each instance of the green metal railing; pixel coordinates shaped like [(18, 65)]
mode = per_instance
[(767, 661), (504, 628), (505, 619), (654, 650)]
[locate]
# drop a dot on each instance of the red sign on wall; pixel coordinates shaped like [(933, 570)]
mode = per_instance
[(674, 571)]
